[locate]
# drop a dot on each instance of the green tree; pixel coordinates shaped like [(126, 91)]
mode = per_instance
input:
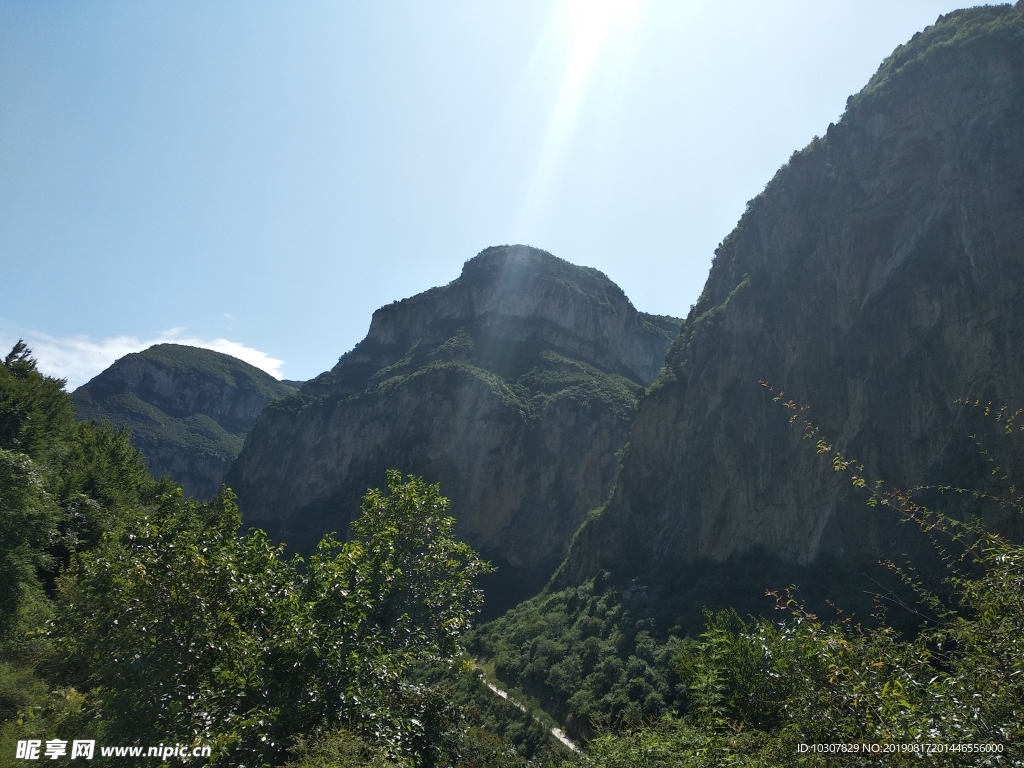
[(29, 521), (179, 627), (35, 412), (399, 594), (61, 483)]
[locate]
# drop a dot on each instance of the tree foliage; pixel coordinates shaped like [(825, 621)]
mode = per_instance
[(757, 689), (135, 615), (584, 653), (179, 626), (62, 484)]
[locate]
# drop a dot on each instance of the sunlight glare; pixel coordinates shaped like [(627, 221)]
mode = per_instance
[(588, 30)]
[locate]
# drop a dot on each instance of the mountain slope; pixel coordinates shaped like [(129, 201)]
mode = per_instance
[(189, 409), (878, 278), (513, 386)]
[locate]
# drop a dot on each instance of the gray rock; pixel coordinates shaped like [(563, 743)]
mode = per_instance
[(878, 278)]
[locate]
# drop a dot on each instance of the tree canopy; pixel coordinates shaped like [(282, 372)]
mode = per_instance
[(182, 627)]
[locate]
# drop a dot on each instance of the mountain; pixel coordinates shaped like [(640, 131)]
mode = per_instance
[(513, 386), (189, 409), (877, 278)]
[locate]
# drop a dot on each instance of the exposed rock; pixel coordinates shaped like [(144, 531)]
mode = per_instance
[(513, 387), (189, 409), (878, 278)]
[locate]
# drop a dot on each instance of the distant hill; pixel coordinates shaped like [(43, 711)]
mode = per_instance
[(513, 386), (189, 409)]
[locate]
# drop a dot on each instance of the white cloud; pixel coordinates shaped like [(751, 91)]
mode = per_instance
[(79, 358)]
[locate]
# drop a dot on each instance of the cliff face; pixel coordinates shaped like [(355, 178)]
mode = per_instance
[(189, 409), (878, 278), (513, 387)]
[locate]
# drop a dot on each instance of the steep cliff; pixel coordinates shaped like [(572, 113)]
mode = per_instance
[(189, 409), (878, 278), (513, 386)]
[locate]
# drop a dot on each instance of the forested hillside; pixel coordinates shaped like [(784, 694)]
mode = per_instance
[(188, 409)]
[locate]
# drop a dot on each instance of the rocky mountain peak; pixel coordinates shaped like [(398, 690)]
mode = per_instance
[(512, 301), (513, 386)]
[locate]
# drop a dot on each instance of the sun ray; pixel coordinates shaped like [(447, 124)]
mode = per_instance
[(586, 29)]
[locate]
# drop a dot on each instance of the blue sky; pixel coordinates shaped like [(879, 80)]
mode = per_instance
[(259, 177)]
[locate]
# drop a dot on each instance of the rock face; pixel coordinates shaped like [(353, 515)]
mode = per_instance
[(513, 387), (878, 278), (189, 409)]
